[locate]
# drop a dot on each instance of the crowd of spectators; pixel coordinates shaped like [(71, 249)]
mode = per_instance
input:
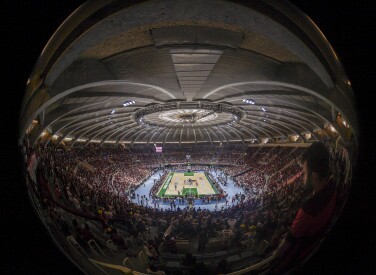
[(101, 190), (117, 174)]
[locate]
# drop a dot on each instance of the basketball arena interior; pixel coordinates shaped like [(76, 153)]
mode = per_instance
[(146, 123)]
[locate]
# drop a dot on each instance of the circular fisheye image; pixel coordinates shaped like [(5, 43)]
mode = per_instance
[(188, 137)]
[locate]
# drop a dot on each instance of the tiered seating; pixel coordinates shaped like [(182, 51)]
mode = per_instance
[(246, 229)]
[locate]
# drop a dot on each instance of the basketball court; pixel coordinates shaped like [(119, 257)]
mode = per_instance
[(196, 183)]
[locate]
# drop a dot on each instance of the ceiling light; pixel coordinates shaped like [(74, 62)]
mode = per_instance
[(344, 122), (113, 111), (129, 102), (262, 108), (332, 129), (249, 101)]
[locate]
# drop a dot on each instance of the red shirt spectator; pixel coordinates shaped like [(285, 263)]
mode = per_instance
[(315, 214)]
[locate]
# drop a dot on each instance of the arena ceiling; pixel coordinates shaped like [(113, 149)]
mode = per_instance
[(146, 72)]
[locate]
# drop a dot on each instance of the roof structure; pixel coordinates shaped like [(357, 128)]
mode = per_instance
[(163, 72)]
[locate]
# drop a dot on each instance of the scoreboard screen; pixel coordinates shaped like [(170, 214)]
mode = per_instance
[(158, 149)]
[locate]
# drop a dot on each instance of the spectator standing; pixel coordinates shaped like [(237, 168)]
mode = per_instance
[(203, 239)]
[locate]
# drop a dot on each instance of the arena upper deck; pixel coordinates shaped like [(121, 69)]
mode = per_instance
[(189, 72)]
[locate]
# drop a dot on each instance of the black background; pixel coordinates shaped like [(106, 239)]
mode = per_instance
[(28, 25)]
